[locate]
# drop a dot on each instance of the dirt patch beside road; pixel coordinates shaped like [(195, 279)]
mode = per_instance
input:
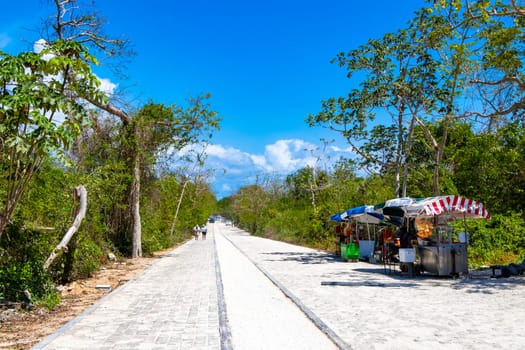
[(21, 329)]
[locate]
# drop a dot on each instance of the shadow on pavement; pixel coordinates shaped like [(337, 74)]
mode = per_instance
[(396, 279), (369, 284), (305, 258), (473, 284)]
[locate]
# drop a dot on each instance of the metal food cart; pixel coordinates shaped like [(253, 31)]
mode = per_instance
[(426, 226), (441, 251)]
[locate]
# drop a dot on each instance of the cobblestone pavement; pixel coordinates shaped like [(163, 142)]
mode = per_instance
[(171, 305), (174, 304), (368, 308)]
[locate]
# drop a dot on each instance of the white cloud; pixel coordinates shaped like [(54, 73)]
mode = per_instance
[(259, 161), (218, 151), (234, 168), (337, 149), (285, 156), (106, 86), (39, 45), (228, 154), (282, 157), (279, 155)]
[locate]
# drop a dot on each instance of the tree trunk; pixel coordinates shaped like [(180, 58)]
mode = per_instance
[(136, 240), (172, 230), (407, 153), (136, 234), (312, 192), (79, 193), (3, 224), (440, 150), (399, 151), (435, 181)]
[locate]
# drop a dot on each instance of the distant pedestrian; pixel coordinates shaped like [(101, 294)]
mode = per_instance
[(204, 230), (196, 230)]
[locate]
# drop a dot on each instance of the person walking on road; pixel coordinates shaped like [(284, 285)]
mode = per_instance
[(196, 230), (204, 230)]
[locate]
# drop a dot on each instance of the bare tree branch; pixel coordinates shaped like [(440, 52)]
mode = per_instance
[(79, 193), (506, 79)]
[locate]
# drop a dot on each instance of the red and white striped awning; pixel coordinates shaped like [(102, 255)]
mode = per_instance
[(452, 204)]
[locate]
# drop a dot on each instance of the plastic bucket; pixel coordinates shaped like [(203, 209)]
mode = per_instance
[(407, 255), (366, 248)]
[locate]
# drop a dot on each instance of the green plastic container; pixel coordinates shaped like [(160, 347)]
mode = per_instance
[(352, 251)]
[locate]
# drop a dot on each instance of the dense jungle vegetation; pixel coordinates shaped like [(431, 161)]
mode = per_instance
[(59, 130), (452, 83)]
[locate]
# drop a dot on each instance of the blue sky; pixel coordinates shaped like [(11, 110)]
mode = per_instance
[(265, 63)]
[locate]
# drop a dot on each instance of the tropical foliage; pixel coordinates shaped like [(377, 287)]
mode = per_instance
[(59, 130), (451, 82), (451, 89)]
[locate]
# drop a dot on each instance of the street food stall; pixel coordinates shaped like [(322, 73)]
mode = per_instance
[(356, 233), (442, 251), (415, 233), (397, 246), (426, 236), (348, 247)]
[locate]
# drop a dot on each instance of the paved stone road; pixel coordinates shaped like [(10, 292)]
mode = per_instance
[(177, 303), (172, 305), (260, 316), (368, 309)]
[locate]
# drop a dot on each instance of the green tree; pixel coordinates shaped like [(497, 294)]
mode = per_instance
[(491, 168), (399, 78), (145, 136), (501, 79), (37, 90), (150, 128), (157, 128), (420, 76), (344, 190), (249, 204), (192, 169)]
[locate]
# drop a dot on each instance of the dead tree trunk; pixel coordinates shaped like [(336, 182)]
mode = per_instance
[(79, 193), (136, 239), (172, 230)]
